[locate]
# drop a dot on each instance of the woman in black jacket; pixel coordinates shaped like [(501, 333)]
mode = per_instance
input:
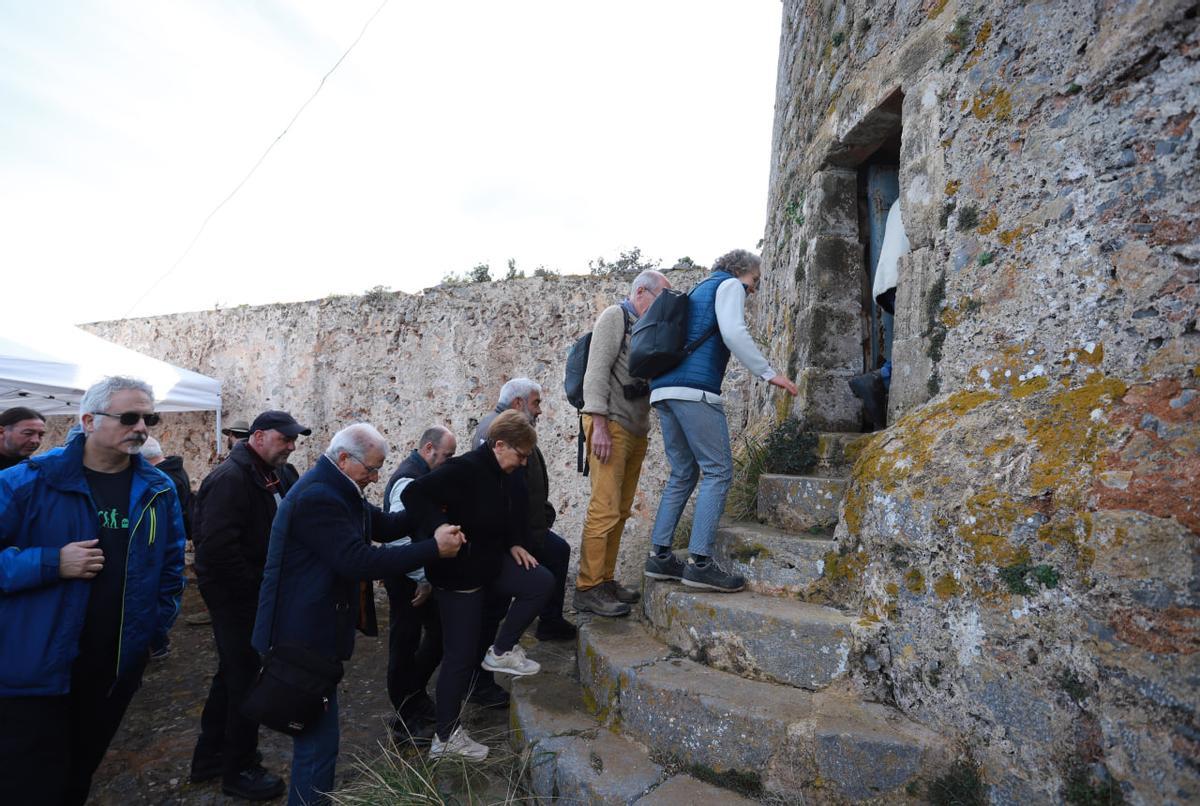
[(472, 491)]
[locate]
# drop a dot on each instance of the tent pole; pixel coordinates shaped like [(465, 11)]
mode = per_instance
[(218, 428)]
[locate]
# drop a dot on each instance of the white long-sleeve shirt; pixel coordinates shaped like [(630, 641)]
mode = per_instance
[(396, 505), (730, 304)]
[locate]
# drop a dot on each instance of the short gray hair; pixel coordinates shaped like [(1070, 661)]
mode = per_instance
[(151, 449), (356, 440), (649, 279), (738, 262), (99, 394), (518, 389)]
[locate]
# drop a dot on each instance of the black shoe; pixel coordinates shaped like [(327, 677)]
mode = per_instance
[(416, 732), (558, 629), (417, 707), (869, 388), (254, 783), (668, 567), (489, 697), (709, 576), (205, 768)]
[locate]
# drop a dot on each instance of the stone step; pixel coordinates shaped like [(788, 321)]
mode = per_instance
[(799, 503), (771, 560), (786, 742), (836, 452), (575, 760), (756, 636)]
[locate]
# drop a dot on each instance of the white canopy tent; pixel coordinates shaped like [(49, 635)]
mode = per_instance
[(48, 367)]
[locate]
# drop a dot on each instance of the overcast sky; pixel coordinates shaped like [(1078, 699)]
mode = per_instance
[(453, 134)]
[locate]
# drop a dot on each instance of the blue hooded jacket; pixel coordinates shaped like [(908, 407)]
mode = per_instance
[(45, 503)]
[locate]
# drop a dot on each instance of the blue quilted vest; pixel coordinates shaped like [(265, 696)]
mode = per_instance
[(705, 368)]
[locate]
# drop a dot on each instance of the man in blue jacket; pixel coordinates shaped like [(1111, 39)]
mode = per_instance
[(91, 570), (320, 548)]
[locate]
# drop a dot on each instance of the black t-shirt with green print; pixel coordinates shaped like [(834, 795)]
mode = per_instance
[(102, 625)]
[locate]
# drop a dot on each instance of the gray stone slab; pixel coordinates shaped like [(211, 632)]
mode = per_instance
[(824, 400), (545, 705), (752, 635), (836, 452), (608, 649), (684, 790), (799, 503), (771, 560), (702, 716), (607, 769)]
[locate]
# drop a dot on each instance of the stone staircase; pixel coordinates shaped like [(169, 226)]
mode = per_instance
[(728, 698)]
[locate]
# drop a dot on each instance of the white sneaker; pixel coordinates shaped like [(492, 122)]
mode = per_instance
[(459, 745), (511, 662)]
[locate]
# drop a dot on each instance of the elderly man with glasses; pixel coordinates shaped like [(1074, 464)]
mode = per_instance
[(91, 570), (231, 528), (320, 550)]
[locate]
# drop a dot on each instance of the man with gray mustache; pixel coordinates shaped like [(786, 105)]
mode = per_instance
[(91, 570)]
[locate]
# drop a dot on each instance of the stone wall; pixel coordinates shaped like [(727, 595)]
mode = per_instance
[(403, 362), (1023, 541)]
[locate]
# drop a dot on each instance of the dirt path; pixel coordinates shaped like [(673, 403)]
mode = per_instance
[(148, 761)]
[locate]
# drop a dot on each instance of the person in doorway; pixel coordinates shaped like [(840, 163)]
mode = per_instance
[(692, 416)]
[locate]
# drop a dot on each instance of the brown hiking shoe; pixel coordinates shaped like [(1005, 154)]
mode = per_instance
[(599, 601), (621, 593)]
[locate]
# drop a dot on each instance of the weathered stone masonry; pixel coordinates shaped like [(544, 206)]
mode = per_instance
[(1022, 543)]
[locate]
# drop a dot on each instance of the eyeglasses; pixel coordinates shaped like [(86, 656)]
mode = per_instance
[(129, 418), (371, 471), (524, 455)]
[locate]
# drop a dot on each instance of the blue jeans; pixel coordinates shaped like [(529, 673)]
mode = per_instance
[(314, 755), (696, 439)]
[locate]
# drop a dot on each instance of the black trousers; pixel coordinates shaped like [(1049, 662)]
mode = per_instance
[(555, 554), (51, 746), (414, 643), (464, 616), (224, 732)]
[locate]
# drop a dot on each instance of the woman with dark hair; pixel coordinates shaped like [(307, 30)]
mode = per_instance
[(472, 490)]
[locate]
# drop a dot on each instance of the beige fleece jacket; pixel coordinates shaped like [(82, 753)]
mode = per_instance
[(608, 372)]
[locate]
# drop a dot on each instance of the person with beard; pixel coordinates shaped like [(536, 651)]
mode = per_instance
[(91, 571), (21, 432)]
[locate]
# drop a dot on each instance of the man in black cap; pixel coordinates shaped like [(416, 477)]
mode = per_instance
[(231, 530)]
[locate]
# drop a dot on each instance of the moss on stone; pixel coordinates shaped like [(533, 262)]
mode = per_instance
[(995, 103), (914, 580), (745, 553), (989, 223), (947, 587), (962, 785), (743, 782)]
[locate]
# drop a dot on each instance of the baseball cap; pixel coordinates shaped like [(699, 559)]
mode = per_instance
[(279, 421)]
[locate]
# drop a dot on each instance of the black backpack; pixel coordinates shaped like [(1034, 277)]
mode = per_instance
[(577, 360), (659, 340)]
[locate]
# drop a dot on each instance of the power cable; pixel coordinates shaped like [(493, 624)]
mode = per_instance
[(259, 162)]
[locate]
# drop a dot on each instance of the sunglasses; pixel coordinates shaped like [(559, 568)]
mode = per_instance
[(131, 417)]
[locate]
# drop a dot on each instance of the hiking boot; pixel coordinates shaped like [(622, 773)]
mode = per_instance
[(161, 653), (599, 601), (254, 783), (511, 662), (558, 629), (621, 593), (870, 389), (664, 568), (459, 745), (491, 696), (709, 576)]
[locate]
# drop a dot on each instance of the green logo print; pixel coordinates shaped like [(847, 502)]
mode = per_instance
[(112, 519)]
